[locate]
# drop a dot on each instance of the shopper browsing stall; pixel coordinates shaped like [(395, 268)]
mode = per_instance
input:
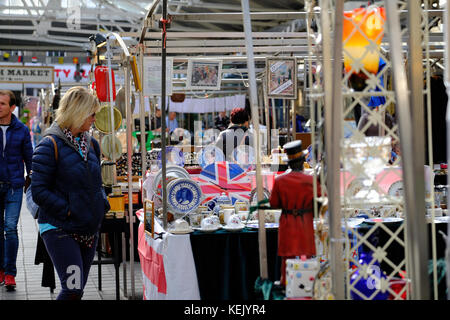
[(293, 193), (15, 150), (67, 186), (236, 134)]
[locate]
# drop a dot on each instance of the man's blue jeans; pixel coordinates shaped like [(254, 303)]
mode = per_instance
[(71, 260), (10, 205)]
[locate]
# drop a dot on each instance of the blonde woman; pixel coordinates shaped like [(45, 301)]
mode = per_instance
[(67, 187)]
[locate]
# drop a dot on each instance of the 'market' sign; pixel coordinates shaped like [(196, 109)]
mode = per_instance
[(26, 74)]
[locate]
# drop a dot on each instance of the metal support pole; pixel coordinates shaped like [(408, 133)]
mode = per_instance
[(129, 117), (266, 108), (447, 119), (255, 118), (413, 174), (163, 117), (142, 116), (111, 102), (124, 265), (294, 120), (333, 129)]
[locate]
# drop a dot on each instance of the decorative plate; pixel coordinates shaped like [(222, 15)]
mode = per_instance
[(209, 155), (395, 190), (244, 156), (172, 172), (111, 145), (183, 195), (174, 156), (254, 196)]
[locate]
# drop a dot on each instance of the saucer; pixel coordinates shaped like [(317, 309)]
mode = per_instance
[(267, 225), (383, 220), (207, 230), (445, 219), (181, 231), (234, 229)]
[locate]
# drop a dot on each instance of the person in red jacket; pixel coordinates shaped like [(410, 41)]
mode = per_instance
[(293, 193)]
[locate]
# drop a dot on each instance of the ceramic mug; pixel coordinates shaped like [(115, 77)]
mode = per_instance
[(195, 219), (226, 214)]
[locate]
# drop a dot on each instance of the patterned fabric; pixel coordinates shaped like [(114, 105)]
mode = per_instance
[(225, 177), (79, 142), (84, 240)]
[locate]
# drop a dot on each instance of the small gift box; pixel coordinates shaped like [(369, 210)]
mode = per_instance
[(300, 275)]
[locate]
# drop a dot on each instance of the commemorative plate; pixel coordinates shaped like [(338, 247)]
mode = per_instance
[(172, 172), (174, 156), (183, 195), (208, 155)]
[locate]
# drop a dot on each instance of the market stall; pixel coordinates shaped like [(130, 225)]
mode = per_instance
[(191, 189)]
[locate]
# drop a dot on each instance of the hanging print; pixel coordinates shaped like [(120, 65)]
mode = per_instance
[(281, 75)]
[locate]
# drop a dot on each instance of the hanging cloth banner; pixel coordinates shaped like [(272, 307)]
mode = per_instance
[(198, 105)]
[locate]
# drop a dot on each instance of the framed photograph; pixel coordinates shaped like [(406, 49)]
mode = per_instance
[(149, 215), (204, 74), (281, 77)]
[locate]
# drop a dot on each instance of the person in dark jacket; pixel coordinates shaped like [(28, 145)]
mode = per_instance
[(15, 150), (221, 122), (236, 134), (67, 187)]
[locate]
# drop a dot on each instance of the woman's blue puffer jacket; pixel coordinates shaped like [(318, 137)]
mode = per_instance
[(68, 191)]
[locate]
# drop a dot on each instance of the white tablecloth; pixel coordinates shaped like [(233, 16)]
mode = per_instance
[(168, 267)]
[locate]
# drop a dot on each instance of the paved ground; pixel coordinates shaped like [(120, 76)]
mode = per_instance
[(29, 275)]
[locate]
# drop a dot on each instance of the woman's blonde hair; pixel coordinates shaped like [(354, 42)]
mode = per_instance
[(75, 107)]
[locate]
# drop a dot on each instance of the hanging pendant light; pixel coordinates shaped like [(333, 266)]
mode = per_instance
[(362, 35)]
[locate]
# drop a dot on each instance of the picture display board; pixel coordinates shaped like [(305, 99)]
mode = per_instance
[(152, 76), (204, 75), (281, 77)]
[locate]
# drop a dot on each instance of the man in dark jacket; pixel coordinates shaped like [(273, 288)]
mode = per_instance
[(221, 121), (15, 150)]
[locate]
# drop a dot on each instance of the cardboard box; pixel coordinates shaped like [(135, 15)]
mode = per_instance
[(300, 275)]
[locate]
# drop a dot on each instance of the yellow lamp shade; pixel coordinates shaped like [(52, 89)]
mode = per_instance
[(362, 35)]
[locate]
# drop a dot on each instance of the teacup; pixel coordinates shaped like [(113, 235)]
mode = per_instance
[(209, 223), (181, 225), (243, 215), (234, 221)]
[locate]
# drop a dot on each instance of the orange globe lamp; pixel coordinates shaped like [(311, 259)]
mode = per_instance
[(363, 30)]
